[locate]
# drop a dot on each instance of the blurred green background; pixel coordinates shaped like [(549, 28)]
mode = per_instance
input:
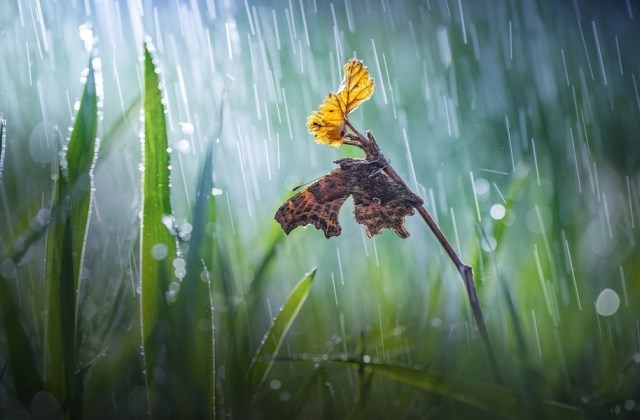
[(517, 121)]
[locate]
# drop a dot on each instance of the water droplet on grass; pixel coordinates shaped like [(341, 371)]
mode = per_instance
[(179, 263), (159, 251), (171, 296), (85, 32), (180, 272)]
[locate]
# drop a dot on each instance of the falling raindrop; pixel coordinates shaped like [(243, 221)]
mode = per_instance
[(205, 276), (539, 219), (443, 46)]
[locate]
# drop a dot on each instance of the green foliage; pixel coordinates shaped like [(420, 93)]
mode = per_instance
[(157, 244), (66, 238), (272, 341)]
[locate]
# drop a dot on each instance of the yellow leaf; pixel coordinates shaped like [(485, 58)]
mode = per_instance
[(328, 123)]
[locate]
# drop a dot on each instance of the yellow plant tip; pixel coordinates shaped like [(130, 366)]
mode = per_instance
[(328, 124), (356, 87)]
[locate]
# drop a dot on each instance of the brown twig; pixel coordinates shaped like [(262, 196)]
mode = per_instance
[(370, 147)]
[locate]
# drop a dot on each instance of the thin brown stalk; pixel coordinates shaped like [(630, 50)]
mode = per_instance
[(371, 149)]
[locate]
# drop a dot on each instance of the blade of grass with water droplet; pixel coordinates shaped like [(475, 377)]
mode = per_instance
[(274, 338), (157, 245), (66, 239)]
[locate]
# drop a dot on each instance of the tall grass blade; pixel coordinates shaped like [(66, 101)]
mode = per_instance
[(66, 239), (254, 296), (490, 398), (274, 237), (304, 392), (20, 355), (115, 136), (274, 338), (157, 245), (3, 144), (197, 295)]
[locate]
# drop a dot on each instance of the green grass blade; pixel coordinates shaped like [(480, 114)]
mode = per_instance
[(65, 249), (157, 244), (275, 236), (155, 198), (197, 295), (81, 155), (3, 144), (487, 397), (272, 341), (21, 357), (315, 385), (54, 376), (114, 138)]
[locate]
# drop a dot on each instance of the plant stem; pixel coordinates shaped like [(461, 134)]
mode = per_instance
[(466, 273), (371, 149)]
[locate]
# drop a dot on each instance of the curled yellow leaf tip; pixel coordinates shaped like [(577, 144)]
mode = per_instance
[(328, 123)]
